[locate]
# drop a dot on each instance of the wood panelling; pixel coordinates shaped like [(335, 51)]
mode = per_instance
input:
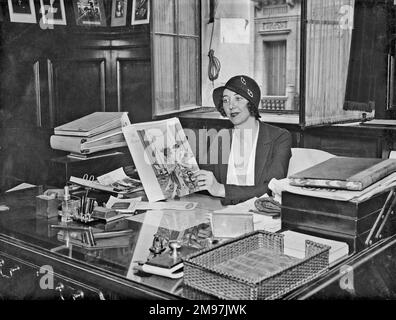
[(49, 77), (78, 88), (133, 91)]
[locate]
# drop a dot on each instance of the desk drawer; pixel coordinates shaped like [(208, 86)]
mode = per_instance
[(21, 279)]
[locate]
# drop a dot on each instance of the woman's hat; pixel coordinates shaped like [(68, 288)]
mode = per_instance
[(244, 86)]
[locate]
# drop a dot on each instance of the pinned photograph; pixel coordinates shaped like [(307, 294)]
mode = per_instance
[(140, 11), (118, 13), (53, 12), (163, 158), (22, 11), (89, 12)]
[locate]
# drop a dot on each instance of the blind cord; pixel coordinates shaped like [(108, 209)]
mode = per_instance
[(214, 63)]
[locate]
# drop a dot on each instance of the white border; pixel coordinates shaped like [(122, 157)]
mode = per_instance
[(118, 22), (22, 17), (135, 22)]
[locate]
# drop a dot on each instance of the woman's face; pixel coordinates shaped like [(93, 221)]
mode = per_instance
[(235, 107)]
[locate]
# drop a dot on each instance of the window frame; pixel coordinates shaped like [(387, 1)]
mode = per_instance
[(176, 35)]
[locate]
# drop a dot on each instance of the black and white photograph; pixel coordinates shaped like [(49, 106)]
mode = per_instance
[(140, 11), (22, 11), (53, 12), (89, 12), (119, 13), (234, 152)]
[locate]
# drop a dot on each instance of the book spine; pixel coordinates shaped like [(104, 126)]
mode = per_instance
[(70, 144), (374, 173), (332, 184)]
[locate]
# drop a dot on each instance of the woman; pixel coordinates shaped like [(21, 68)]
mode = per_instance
[(259, 152)]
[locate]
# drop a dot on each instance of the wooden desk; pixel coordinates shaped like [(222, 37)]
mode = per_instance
[(27, 242)]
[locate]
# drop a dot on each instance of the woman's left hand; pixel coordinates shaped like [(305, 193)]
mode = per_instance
[(205, 180)]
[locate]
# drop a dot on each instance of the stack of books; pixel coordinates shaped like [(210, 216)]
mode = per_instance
[(96, 134), (341, 199)]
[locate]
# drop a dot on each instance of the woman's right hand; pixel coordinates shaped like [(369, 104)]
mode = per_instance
[(205, 180)]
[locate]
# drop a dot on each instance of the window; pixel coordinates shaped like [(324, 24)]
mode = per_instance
[(275, 53), (176, 59), (260, 39), (347, 62)]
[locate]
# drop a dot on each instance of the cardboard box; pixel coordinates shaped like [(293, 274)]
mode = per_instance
[(47, 206)]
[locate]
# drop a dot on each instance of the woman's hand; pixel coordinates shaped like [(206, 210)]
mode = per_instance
[(205, 180)]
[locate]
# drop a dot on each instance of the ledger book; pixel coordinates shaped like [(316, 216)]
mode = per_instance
[(93, 124), (349, 173)]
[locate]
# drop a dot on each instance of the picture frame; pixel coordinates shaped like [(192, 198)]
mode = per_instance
[(140, 12), (22, 11), (89, 13), (53, 12), (119, 13)]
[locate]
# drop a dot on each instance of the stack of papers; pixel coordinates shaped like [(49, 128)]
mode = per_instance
[(93, 133), (385, 184), (260, 222), (21, 186), (294, 245)]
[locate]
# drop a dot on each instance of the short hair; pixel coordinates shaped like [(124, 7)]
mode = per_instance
[(253, 110)]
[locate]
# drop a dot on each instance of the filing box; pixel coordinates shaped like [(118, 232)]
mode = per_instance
[(47, 206), (347, 221)]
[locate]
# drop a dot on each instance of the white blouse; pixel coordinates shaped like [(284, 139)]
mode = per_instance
[(241, 162)]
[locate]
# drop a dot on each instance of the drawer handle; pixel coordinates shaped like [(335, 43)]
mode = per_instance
[(78, 295), (60, 287), (10, 271)]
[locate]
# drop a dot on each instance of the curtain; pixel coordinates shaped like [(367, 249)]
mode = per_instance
[(329, 34)]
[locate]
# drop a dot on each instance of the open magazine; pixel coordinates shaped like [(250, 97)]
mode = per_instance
[(120, 181), (163, 158)]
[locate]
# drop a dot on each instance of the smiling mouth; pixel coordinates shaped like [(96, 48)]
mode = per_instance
[(234, 114)]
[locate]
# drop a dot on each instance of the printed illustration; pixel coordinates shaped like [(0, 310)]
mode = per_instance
[(172, 162)]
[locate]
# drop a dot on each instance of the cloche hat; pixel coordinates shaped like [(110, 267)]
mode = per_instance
[(243, 85)]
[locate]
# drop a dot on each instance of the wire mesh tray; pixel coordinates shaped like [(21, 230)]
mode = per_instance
[(253, 267)]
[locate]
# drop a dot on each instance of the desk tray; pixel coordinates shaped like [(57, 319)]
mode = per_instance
[(253, 267)]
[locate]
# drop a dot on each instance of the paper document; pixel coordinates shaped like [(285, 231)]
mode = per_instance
[(245, 206), (294, 245), (21, 187), (169, 205), (170, 220), (260, 222), (118, 180), (123, 205), (91, 184), (278, 186)]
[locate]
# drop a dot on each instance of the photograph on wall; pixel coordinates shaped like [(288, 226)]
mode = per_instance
[(89, 12), (163, 158), (53, 12), (118, 13), (140, 11), (22, 11)]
